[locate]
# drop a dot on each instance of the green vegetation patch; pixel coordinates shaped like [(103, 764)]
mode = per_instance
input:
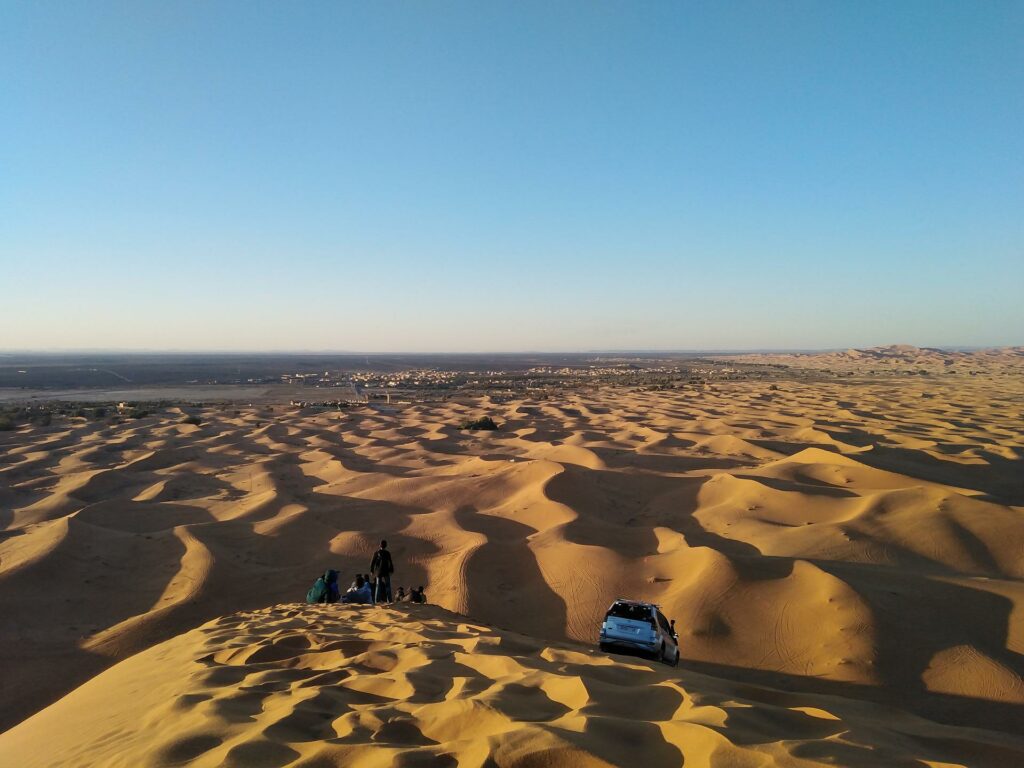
[(483, 423)]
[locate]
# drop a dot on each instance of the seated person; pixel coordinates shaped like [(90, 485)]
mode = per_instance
[(373, 587), (358, 592), (418, 595), (325, 590), (400, 596)]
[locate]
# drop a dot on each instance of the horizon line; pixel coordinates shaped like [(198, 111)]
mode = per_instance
[(596, 351)]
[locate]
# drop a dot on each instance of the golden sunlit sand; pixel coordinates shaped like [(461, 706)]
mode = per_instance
[(844, 561), (331, 685)]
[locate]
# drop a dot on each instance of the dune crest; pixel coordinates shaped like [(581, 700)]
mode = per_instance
[(304, 685)]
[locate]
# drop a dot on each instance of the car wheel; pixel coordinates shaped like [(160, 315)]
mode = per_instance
[(675, 659)]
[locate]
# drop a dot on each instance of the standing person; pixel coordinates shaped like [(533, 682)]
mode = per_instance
[(382, 567)]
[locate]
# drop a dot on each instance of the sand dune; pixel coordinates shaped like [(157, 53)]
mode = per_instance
[(851, 539), (330, 685), (901, 358)]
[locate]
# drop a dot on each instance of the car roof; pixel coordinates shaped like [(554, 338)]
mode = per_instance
[(635, 602)]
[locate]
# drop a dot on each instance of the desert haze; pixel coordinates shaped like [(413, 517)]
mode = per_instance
[(843, 556)]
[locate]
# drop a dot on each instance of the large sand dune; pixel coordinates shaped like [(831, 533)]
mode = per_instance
[(858, 540), (339, 686), (900, 358)]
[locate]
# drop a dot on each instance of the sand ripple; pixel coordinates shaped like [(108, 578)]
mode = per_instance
[(297, 685), (866, 535)]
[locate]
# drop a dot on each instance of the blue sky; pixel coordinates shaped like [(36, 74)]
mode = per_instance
[(432, 176)]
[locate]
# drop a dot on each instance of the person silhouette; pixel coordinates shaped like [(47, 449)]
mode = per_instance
[(382, 566)]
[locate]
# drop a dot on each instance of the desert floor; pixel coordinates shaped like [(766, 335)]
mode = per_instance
[(844, 561), (415, 686)]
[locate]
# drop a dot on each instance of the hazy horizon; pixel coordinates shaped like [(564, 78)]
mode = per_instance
[(584, 176), (471, 352)]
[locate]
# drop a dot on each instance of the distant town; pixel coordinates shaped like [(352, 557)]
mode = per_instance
[(126, 386)]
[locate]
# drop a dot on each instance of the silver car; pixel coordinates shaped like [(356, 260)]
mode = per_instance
[(630, 625)]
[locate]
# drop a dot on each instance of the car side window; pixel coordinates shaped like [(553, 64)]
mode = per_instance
[(664, 623)]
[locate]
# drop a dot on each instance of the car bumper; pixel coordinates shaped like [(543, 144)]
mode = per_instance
[(631, 643)]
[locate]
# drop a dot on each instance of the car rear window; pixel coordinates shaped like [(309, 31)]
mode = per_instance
[(627, 611)]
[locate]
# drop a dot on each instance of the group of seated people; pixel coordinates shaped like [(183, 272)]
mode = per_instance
[(362, 590), (412, 596)]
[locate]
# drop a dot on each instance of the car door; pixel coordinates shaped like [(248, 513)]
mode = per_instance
[(666, 629)]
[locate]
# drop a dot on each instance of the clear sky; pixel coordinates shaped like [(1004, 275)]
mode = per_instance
[(434, 176)]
